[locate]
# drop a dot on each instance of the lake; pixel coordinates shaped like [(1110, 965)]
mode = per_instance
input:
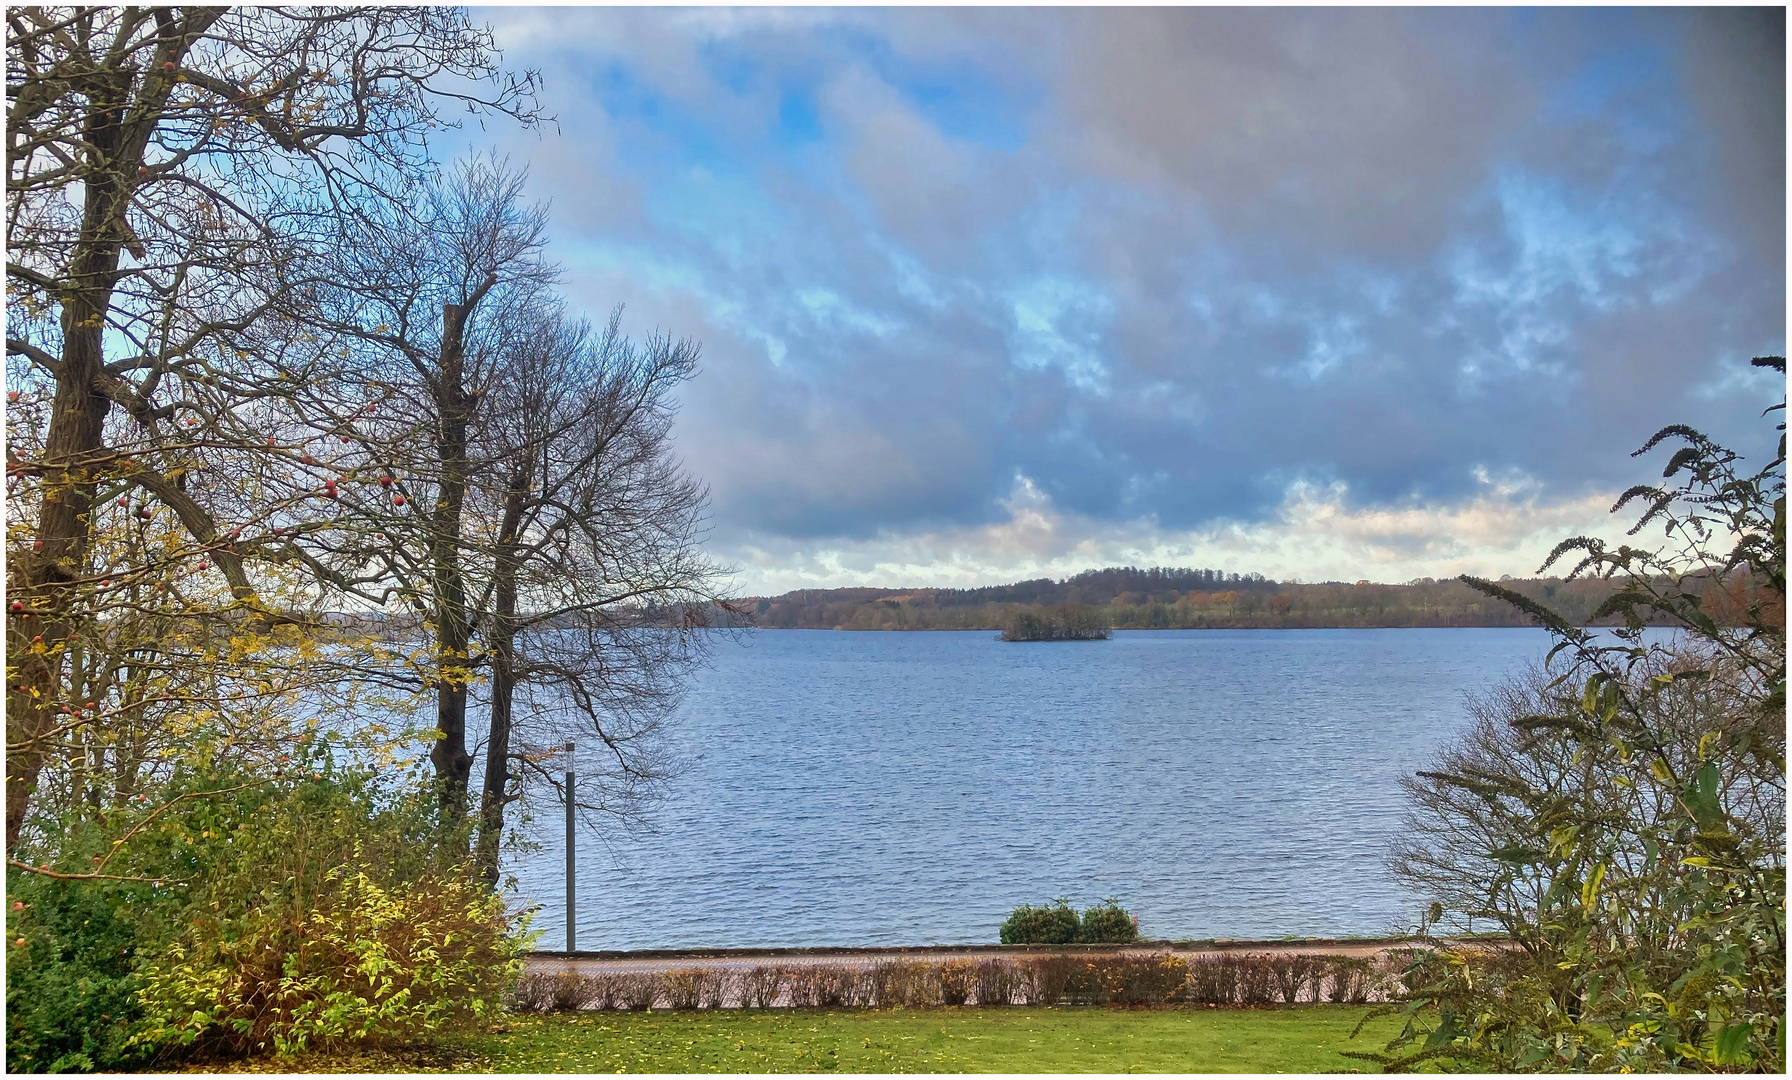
[(860, 788)]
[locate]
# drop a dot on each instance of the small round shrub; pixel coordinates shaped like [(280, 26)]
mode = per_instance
[(1108, 924), (1029, 925)]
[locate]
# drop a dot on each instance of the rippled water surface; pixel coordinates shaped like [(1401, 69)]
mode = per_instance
[(912, 788)]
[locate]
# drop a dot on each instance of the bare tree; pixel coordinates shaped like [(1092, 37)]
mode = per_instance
[(433, 299), (598, 593), (171, 172)]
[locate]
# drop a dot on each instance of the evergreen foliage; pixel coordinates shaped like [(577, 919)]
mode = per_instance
[(1058, 924)]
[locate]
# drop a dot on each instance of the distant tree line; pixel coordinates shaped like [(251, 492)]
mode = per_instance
[(1128, 598)]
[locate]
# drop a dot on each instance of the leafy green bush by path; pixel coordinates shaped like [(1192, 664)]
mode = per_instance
[(1029, 925), (1104, 924), (1107, 924)]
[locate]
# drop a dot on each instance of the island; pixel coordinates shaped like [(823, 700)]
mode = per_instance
[(1066, 622)]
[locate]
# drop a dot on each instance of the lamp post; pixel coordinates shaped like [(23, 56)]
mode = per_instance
[(572, 918)]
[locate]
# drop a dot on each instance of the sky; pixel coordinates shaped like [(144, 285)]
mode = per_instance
[(1322, 294)]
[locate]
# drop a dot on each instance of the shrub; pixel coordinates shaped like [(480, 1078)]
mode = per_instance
[(266, 915), (313, 912), (1256, 979), (993, 983), (637, 991), (1107, 924), (1350, 979), (1213, 980), (1029, 925), (824, 986), (955, 981), (1126, 980), (693, 988), (892, 983), (1042, 981), (71, 987), (760, 987), (558, 991), (1291, 973), (367, 962), (1621, 816)]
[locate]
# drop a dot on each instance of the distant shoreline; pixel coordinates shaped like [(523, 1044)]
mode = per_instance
[(1132, 599), (1120, 629)]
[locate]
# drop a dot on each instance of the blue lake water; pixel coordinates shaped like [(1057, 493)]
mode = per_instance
[(860, 788)]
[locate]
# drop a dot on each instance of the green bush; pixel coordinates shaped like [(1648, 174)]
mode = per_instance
[(269, 914), (320, 913), (1107, 924), (1029, 925), (70, 982), (1104, 924)]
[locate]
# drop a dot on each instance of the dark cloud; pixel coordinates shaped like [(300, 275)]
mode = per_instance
[(1166, 263)]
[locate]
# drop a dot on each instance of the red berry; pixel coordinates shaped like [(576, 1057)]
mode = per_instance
[(13, 395), (398, 500), (124, 502), (168, 66), (18, 905), (17, 606), (37, 545), (205, 566), (385, 481)]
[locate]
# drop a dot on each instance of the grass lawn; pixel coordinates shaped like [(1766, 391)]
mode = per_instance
[(1298, 1039)]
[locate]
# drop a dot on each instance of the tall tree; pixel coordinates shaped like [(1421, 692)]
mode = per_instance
[(597, 591), (436, 298), (172, 173)]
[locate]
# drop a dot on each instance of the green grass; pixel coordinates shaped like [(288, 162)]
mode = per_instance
[(1298, 1039)]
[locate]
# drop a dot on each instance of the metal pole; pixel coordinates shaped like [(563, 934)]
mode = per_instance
[(572, 916)]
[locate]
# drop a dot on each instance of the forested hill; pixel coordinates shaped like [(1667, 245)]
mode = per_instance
[(1175, 599)]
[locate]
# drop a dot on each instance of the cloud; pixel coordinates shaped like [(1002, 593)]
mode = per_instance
[(1171, 266), (1315, 534)]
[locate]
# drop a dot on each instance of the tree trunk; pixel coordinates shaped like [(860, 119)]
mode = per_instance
[(454, 406), (116, 132), (496, 793), (70, 468)]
